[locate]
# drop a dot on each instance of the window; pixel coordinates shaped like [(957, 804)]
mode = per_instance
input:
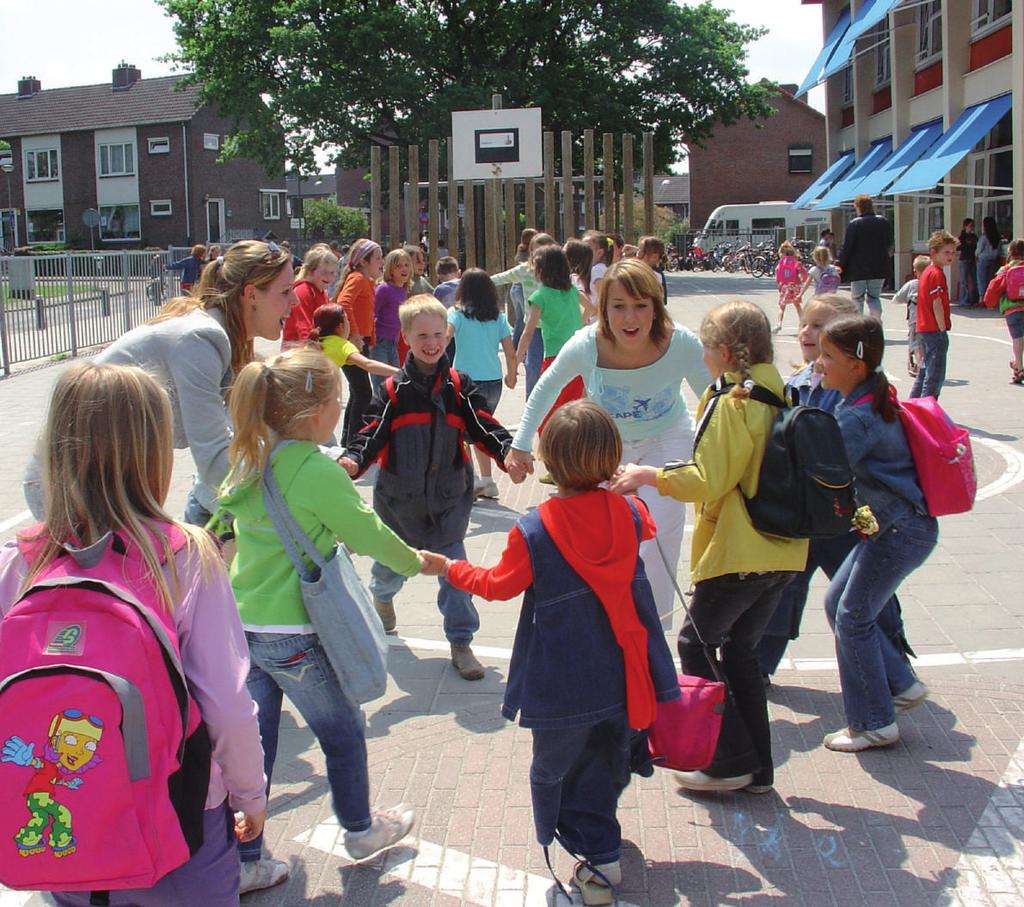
[(929, 31), (990, 172), (848, 85), (989, 13), (879, 37), (41, 165), (119, 222), (117, 160), (211, 141), (45, 225), (160, 145), (160, 208), (270, 202), (929, 214), (801, 159)]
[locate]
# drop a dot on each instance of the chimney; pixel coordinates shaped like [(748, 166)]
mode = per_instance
[(28, 86), (789, 88), (125, 76)]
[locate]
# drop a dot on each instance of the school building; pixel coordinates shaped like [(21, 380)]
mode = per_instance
[(923, 112), (126, 164)]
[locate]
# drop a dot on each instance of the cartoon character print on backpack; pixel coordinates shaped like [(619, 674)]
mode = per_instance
[(70, 750)]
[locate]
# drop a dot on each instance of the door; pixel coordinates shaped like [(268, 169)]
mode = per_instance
[(214, 220), (8, 229)]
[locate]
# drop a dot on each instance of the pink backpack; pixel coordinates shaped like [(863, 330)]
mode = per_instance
[(1015, 283), (105, 760), (789, 271), (942, 455)]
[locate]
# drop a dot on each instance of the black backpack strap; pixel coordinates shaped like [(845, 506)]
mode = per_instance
[(763, 395)]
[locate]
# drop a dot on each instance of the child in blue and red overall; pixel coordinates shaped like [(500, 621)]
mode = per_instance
[(589, 660)]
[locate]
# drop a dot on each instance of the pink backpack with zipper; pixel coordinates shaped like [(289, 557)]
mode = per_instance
[(789, 271), (942, 454), (1015, 283), (105, 760)]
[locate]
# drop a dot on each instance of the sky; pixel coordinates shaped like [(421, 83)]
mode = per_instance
[(84, 41)]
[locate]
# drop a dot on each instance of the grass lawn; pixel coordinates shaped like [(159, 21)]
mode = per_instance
[(47, 291)]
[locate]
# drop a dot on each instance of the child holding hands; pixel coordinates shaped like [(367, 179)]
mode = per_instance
[(589, 660)]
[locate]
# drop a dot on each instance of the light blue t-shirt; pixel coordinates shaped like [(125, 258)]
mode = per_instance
[(476, 344), (644, 402)]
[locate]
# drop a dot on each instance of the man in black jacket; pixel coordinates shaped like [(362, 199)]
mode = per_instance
[(864, 259)]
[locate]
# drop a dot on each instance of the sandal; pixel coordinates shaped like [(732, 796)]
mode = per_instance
[(1018, 374)]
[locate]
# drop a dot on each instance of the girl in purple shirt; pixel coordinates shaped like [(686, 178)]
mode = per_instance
[(389, 295)]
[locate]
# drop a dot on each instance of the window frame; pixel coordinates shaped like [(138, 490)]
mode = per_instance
[(846, 86), (802, 151), (32, 167), (269, 199), (105, 156), (981, 172), (883, 53), (124, 237), (153, 144), (929, 33), (60, 235), (211, 141), (153, 207), (929, 214), (984, 20)]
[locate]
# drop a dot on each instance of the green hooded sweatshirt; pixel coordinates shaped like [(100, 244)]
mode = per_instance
[(327, 506)]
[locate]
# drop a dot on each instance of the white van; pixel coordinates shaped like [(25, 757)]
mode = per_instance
[(763, 218)]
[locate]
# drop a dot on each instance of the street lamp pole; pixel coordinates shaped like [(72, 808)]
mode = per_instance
[(7, 168)]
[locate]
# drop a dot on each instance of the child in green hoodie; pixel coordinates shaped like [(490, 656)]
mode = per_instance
[(281, 410)]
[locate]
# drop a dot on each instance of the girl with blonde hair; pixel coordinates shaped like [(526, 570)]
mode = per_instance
[(318, 272)]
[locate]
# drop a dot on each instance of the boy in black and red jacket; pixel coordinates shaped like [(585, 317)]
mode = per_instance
[(416, 428)]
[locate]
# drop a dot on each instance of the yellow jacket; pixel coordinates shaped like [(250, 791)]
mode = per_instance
[(726, 466)]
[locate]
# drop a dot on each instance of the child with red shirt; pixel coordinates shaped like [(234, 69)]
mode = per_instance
[(590, 661), (933, 321), (319, 270)]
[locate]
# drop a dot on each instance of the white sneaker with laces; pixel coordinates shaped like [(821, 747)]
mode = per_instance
[(262, 873), (388, 827), (485, 487)]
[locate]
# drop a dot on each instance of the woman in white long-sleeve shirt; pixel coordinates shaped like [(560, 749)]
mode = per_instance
[(633, 362)]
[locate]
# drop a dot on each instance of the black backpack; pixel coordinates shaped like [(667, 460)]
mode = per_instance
[(805, 490)]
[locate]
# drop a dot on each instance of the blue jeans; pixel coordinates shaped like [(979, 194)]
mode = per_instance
[(534, 361), (195, 513), (461, 619), (383, 351), (576, 777), (828, 554), (871, 668), (986, 270), (870, 289), (933, 347), (968, 283), (295, 665)]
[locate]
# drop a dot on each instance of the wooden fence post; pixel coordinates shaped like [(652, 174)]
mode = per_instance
[(589, 213), (608, 172), (550, 202), (531, 203), (648, 182), (511, 223), (375, 209), (433, 212), (451, 200), (412, 201), (627, 189), (568, 209), (469, 222), (394, 198)]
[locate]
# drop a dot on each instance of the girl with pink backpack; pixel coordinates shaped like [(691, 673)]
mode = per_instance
[(110, 792), (791, 279), (876, 678)]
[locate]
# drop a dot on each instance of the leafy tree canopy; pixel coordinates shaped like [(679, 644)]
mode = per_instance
[(324, 218), (391, 71)]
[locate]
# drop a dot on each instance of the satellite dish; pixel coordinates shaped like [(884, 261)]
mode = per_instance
[(91, 217)]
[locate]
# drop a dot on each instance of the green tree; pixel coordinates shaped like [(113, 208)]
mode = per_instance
[(378, 72), (325, 219)]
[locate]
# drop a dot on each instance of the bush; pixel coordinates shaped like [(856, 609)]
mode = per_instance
[(327, 220)]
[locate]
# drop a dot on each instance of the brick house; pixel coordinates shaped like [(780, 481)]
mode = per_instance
[(768, 160), (141, 154)]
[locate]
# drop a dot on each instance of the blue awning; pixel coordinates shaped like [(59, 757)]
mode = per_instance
[(846, 188), (970, 127), (824, 182), (918, 142), (871, 13), (834, 37)]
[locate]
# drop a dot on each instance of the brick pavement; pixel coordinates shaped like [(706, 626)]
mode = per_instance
[(935, 820)]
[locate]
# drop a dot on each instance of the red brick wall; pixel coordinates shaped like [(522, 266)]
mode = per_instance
[(742, 163), (162, 176), (78, 157)]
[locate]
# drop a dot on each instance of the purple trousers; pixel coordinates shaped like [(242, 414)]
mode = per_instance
[(210, 878)]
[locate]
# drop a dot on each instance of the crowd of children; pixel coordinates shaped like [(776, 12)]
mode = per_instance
[(594, 563)]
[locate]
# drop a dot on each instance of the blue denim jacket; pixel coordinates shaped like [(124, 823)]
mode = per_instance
[(566, 668), (882, 465), (810, 392)]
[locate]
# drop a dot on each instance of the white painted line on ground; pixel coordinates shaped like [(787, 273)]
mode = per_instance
[(1012, 475), (452, 872), (15, 520)]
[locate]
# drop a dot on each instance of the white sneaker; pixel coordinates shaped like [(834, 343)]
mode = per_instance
[(485, 487), (262, 873), (388, 827), (850, 741), (915, 694), (699, 781)]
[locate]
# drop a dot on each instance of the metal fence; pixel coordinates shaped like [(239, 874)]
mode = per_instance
[(54, 306)]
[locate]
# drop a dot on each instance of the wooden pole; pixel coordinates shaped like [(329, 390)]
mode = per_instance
[(589, 214), (375, 209), (568, 211), (490, 223), (550, 202), (627, 189), (648, 182), (412, 201), (469, 222), (608, 171), (451, 201), (394, 197), (433, 210), (531, 202)]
